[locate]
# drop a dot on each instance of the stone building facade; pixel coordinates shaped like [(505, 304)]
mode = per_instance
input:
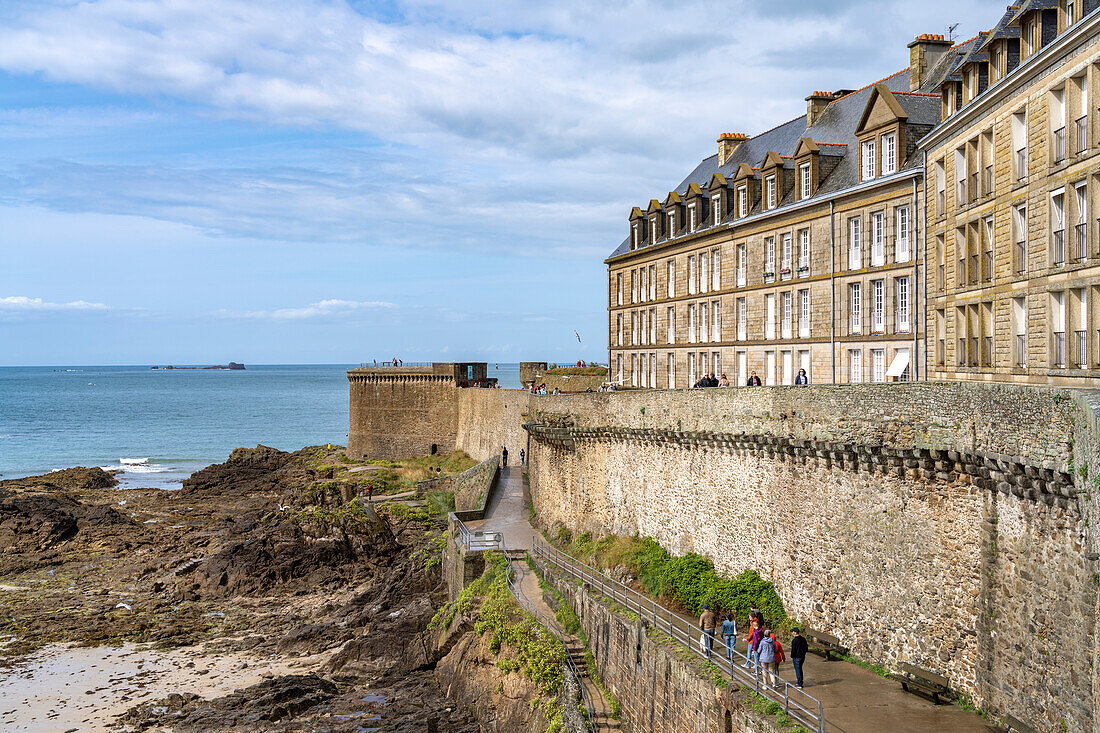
[(1013, 181), (958, 199)]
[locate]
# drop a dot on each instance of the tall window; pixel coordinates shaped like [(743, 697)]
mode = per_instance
[(1058, 227), (645, 321), (634, 237), (672, 224), (769, 316), (634, 328), (1081, 228), (1057, 113), (716, 209), (691, 369), (619, 327), (902, 253), (787, 314), (804, 313), (672, 371), (652, 325), (1019, 143), (868, 159), (769, 186), (619, 288), (619, 367), (889, 154), (742, 256), (704, 325), (855, 243), (1058, 330), (716, 269), (1019, 332), (1019, 235), (1070, 17), (670, 333), (692, 218), (901, 292), (742, 201), (769, 256), (804, 180), (653, 282), (855, 366), (691, 324), (786, 264), (878, 364), (704, 272), (642, 289), (855, 308), (716, 321), (742, 319), (804, 251), (691, 274), (672, 278), (633, 286), (878, 241), (878, 306)]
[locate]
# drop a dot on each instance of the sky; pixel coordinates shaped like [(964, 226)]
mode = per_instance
[(337, 181)]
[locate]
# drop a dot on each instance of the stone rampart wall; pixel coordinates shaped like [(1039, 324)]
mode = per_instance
[(401, 416), (941, 525), (489, 419)]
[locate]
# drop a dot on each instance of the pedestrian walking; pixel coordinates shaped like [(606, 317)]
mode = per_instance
[(798, 654), (780, 657), (522, 457), (370, 492), (504, 457), (753, 639), (729, 634), (708, 623), (765, 654), (754, 380)]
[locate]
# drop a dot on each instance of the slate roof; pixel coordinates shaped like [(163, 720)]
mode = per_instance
[(833, 130), (1004, 28)]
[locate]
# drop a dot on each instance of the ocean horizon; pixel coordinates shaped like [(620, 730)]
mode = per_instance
[(158, 426)]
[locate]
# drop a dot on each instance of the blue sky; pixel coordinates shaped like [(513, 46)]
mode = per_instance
[(194, 181)]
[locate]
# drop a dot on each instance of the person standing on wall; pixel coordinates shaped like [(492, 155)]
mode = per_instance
[(504, 457), (754, 380), (729, 633), (798, 654), (801, 379), (708, 623)]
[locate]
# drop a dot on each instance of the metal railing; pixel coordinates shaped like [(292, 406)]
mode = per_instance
[(1021, 350), (495, 541), (960, 352), (1081, 350), (1080, 242), (1021, 163), (1082, 133), (975, 272), (1021, 256), (972, 351), (400, 365), (1060, 144), (799, 705), (1059, 347), (940, 198), (1058, 241), (987, 351), (974, 186), (941, 352)]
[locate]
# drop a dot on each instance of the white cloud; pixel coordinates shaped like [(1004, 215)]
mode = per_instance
[(23, 304), (323, 309)]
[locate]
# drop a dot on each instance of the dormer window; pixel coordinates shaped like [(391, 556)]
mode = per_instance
[(1029, 37), (804, 180), (692, 217), (769, 185), (742, 201), (653, 227), (1069, 13), (672, 223), (889, 154), (716, 208), (868, 157), (634, 237)]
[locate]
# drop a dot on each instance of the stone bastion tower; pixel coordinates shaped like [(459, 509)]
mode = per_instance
[(408, 410)]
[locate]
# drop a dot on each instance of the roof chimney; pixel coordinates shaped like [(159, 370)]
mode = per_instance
[(815, 105), (924, 52), (728, 142)]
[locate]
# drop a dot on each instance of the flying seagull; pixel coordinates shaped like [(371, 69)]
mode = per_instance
[(578, 336)]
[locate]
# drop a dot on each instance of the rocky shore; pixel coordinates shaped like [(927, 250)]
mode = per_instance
[(263, 595)]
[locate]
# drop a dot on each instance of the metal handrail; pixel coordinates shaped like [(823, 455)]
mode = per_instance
[(797, 703), (495, 541)]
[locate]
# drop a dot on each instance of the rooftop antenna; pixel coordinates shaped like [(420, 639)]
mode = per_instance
[(951, 31)]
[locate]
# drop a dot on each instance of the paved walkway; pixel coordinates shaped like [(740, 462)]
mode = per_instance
[(856, 700), (507, 512)]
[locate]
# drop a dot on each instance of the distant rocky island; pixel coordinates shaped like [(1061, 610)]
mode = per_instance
[(231, 365)]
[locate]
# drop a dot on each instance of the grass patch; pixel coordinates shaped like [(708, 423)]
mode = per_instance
[(880, 671)]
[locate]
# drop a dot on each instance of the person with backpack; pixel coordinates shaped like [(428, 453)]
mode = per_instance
[(798, 654), (765, 655), (753, 640), (729, 634)]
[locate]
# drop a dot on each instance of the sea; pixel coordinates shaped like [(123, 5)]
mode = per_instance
[(158, 426)]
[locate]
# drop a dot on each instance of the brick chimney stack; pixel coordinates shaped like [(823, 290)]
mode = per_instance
[(728, 142), (924, 52), (815, 105)]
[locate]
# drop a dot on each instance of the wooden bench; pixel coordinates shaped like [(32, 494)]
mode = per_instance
[(923, 680), (824, 644), (1012, 725)]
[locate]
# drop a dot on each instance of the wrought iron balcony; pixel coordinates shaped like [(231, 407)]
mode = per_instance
[(1080, 242), (1082, 125), (1058, 247), (1060, 144), (1081, 349), (1058, 357)]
